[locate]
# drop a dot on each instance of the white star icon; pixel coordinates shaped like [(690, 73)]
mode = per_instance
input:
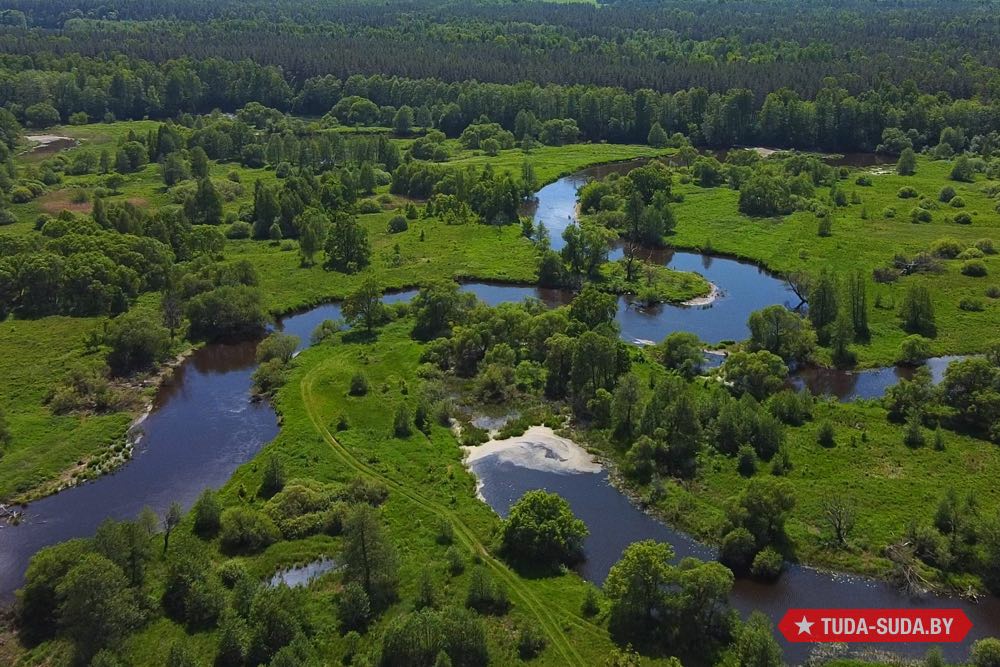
[(805, 626)]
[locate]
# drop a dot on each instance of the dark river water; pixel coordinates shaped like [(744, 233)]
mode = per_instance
[(203, 425)]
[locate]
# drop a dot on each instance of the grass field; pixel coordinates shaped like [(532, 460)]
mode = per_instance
[(708, 218), (45, 447), (427, 485)]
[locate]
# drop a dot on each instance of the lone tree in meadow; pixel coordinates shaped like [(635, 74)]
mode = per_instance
[(907, 164)]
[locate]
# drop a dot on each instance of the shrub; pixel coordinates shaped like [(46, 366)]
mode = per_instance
[(6, 217), (971, 253), (232, 572), (530, 642), (207, 514), (401, 424), (907, 192), (957, 202), (863, 180), (826, 436), (273, 479), (963, 218), (746, 462), (825, 227), (974, 268), (767, 564), (541, 530), (986, 245), (591, 604), (986, 653), (738, 550), (918, 214), (368, 206), (914, 349), (445, 532), (398, 224), (354, 609), (947, 194), (359, 384), (972, 305), (485, 595), (791, 407), (993, 291), (913, 436), (239, 230), (889, 212), (247, 530), (947, 248), (456, 562)]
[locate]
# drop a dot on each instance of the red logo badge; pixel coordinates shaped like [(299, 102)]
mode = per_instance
[(875, 625)]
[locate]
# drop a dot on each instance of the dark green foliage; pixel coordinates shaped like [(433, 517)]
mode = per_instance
[(781, 332), (96, 606), (746, 461), (137, 340), (347, 247), (226, 312), (359, 385), (38, 600), (427, 637), (917, 311), (541, 530), (207, 512), (530, 642), (397, 224), (353, 608), (485, 594), (369, 556), (907, 164), (826, 436), (682, 352), (767, 564), (245, 530), (273, 479), (756, 645), (401, 423)]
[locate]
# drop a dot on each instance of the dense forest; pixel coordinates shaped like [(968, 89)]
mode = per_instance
[(181, 180), (781, 74)]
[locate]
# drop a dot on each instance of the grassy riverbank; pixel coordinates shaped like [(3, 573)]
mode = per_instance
[(863, 238), (38, 353), (427, 485)]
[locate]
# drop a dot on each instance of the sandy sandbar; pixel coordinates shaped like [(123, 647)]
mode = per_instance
[(539, 448)]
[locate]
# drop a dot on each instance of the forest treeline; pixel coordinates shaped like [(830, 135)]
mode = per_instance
[(43, 90), (783, 73)]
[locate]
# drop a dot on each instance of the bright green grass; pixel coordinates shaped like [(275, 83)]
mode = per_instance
[(36, 354), (552, 162), (708, 218), (428, 484), (44, 445), (447, 251), (890, 483)]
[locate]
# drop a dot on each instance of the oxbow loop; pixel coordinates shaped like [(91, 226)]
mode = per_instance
[(875, 625)]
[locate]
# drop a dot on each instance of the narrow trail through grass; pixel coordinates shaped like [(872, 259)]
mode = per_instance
[(551, 625)]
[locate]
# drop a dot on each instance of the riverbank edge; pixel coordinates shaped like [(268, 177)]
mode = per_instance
[(880, 566), (64, 478), (150, 382)]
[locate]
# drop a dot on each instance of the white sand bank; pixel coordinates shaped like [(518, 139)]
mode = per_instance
[(539, 448)]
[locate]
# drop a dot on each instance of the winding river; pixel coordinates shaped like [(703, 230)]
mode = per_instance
[(203, 425)]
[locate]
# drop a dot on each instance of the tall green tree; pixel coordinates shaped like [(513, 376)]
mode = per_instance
[(369, 556), (347, 247), (364, 306)]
